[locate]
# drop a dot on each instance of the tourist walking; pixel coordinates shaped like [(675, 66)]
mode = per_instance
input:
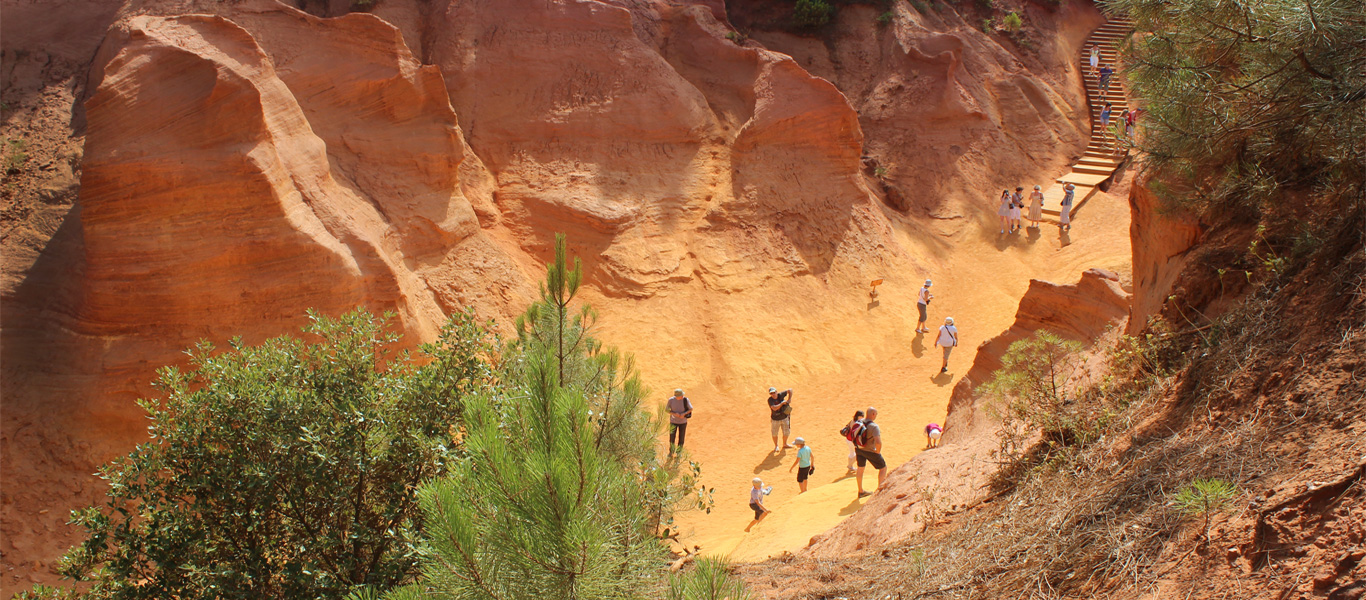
[(1016, 203), (1036, 207), (804, 464), (780, 413), (1105, 73), (1130, 119), (849, 432), (932, 434), (1004, 210), (1094, 58), (680, 410), (756, 501), (922, 304), (869, 450), (948, 338), (1105, 118), (1065, 209)]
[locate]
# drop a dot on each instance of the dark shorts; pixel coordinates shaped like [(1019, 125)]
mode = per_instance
[(758, 510), (803, 473), (923, 315), (865, 457)]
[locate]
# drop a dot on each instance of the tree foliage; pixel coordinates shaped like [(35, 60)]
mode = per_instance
[(812, 13), (1034, 393), (560, 495), (1247, 99), (284, 470)]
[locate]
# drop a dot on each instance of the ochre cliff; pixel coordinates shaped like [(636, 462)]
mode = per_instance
[(206, 170)]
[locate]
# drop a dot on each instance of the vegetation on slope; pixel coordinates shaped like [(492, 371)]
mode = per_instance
[(339, 468)]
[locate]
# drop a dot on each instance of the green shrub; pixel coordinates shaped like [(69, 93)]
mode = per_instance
[(15, 156), (988, 25), (1012, 22), (1203, 497), (812, 13), (284, 470), (1032, 393), (709, 580), (887, 16)]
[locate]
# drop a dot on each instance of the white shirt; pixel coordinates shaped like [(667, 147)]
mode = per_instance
[(948, 336), (924, 295)]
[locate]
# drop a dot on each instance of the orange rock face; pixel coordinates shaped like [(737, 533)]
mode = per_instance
[(244, 162)]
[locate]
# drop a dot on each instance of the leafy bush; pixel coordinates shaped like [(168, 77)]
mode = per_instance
[(285, 470), (1012, 22), (710, 580), (886, 17), (812, 13), (988, 25)]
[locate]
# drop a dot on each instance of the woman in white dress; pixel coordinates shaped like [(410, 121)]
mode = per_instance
[(1036, 207), (1004, 210), (1095, 58)]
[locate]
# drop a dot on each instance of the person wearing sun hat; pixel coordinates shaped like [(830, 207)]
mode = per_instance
[(1069, 192), (948, 338), (922, 303), (804, 464), (1036, 207)]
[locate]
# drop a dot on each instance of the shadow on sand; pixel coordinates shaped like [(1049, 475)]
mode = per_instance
[(942, 379), (772, 461)]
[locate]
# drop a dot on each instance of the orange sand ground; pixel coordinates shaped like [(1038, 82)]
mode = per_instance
[(978, 282)]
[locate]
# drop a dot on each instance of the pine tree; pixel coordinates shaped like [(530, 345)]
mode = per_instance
[(1247, 99), (559, 495)]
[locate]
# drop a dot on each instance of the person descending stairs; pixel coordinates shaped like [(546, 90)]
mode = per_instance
[(1105, 152)]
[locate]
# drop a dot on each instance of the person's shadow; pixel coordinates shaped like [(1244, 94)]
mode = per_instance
[(772, 461), (942, 379), (918, 345), (1064, 236), (852, 507), (1034, 234)]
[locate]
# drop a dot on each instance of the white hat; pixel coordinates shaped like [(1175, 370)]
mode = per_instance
[(928, 283), (772, 390), (757, 481), (800, 441), (948, 320), (1037, 187)]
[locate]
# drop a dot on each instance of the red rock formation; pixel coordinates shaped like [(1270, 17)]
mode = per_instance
[(1161, 242), (934, 482)]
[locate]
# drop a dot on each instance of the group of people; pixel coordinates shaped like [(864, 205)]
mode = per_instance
[(862, 434), (1012, 205)]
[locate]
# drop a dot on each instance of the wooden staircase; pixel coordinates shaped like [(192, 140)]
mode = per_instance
[(1103, 155)]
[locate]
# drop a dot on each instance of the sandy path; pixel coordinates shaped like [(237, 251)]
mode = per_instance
[(979, 282)]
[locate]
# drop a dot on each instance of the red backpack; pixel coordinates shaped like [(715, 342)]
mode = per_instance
[(855, 431)]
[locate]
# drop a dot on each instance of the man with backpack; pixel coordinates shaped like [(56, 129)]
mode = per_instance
[(868, 448), (780, 414), (680, 410)]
